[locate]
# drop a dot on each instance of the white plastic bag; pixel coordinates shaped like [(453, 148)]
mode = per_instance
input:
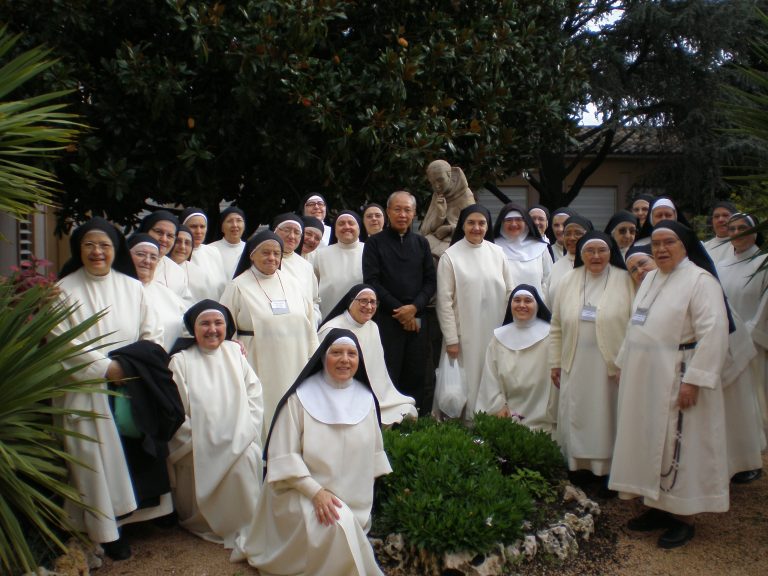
[(451, 387)]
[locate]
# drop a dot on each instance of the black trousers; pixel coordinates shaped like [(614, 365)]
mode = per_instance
[(407, 355)]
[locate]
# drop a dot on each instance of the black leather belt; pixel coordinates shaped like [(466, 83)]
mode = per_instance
[(250, 333), (687, 346)]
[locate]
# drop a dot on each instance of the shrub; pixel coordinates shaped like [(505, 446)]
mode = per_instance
[(446, 492), (519, 447)]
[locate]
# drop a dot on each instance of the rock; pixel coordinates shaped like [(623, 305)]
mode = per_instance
[(558, 541), (530, 547), (582, 527), (491, 564), (583, 504)]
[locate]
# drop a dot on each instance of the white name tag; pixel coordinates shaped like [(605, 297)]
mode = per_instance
[(589, 313), (279, 307), (640, 316)]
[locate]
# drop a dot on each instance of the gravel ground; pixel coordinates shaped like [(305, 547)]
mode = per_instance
[(732, 544)]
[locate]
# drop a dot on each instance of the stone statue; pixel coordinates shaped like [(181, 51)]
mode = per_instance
[(451, 194)]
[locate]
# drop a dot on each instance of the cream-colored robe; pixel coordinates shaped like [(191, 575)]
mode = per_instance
[(230, 256), (686, 305), (304, 456), (560, 268), (281, 344), (586, 353), (169, 310), (301, 270), (520, 379), (393, 405), (473, 286), (338, 267), (170, 274), (215, 457), (718, 248), (745, 285), (534, 272), (104, 482), (206, 276)]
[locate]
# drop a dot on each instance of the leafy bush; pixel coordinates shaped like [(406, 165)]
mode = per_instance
[(446, 492), (536, 484), (520, 447)]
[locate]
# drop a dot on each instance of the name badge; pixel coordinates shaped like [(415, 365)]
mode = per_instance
[(639, 317), (589, 313), (279, 307)]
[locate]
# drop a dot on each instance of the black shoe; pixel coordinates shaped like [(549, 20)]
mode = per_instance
[(117, 549), (650, 520), (747, 476), (676, 535), (167, 521)]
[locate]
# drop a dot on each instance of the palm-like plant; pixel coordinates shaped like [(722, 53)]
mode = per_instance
[(30, 128), (33, 466)]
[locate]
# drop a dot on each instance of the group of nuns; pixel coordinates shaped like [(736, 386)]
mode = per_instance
[(563, 327), (228, 414), (640, 349)]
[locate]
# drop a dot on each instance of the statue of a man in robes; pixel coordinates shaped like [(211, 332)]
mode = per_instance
[(451, 194)]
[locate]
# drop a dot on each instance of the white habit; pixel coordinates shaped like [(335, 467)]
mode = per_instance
[(685, 305), (560, 268), (473, 286), (301, 270), (337, 267), (586, 351), (280, 344), (208, 280), (519, 378), (169, 310), (170, 274), (718, 248), (215, 458), (529, 262), (230, 256), (304, 456), (104, 482)]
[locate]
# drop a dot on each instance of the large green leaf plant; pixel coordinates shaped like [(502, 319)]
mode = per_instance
[(33, 465)]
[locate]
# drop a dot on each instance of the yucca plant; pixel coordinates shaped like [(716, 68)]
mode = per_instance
[(30, 129), (33, 465)]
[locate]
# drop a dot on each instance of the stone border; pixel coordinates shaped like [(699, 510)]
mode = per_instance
[(559, 541)]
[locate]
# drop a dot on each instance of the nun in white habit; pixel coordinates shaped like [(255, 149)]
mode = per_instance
[(200, 281), (215, 458), (474, 282), (230, 245), (204, 256), (573, 229), (100, 276), (719, 246), (290, 228), (168, 307), (516, 380), (323, 453), (163, 227), (671, 444), (589, 319), (339, 266), (527, 253), (744, 282), (354, 312), (273, 316)]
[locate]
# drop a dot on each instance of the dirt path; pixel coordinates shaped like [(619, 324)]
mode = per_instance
[(732, 544)]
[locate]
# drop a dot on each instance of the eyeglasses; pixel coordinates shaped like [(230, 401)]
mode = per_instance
[(663, 243), (315, 204), (367, 302), (146, 256), (573, 233), (164, 234), (640, 264), (91, 246), (596, 251)]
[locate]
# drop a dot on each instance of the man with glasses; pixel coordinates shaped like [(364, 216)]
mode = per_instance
[(398, 263)]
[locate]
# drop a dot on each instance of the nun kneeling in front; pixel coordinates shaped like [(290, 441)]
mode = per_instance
[(323, 453), (215, 458)]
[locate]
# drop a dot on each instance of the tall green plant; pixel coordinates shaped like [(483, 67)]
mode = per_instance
[(30, 128), (33, 465)]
